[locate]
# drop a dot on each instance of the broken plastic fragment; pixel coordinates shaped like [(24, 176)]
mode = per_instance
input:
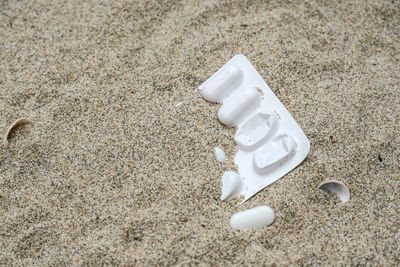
[(231, 185), (256, 217), (15, 124), (336, 187), (220, 154)]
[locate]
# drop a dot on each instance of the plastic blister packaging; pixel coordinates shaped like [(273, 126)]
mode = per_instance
[(270, 142)]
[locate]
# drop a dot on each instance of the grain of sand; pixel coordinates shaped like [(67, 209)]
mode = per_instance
[(113, 172)]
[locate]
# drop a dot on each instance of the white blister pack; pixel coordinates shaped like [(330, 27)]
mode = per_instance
[(270, 142)]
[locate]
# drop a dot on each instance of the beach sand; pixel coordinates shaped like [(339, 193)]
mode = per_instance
[(112, 172)]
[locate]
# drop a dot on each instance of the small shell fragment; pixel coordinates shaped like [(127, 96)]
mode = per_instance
[(256, 217), (336, 187), (220, 154), (15, 124)]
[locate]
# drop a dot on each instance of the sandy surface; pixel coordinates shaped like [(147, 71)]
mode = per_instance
[(113, 172)]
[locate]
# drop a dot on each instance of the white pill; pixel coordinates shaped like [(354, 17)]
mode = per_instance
[(256, 217), (222, 84), (239, 106)]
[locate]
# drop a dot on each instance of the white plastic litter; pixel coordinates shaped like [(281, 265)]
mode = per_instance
[(270, 141), (336, 187), (256, 217), (219, 154), (231, 185)]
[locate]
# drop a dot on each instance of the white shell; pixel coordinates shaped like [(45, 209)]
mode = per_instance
[(15, 124), (220, 154), (256, 217), (336, 187), (232, 185)]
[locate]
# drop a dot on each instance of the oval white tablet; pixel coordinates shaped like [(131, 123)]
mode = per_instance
[(256, 217)]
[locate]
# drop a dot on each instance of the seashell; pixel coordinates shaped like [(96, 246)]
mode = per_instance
[(336, 187), (15, 124)]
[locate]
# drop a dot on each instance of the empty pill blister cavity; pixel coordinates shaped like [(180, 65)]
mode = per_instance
[(270, 142), (256, 130), (274, 153)]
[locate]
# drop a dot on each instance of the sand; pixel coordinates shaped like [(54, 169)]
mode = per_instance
[(112, 172)]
